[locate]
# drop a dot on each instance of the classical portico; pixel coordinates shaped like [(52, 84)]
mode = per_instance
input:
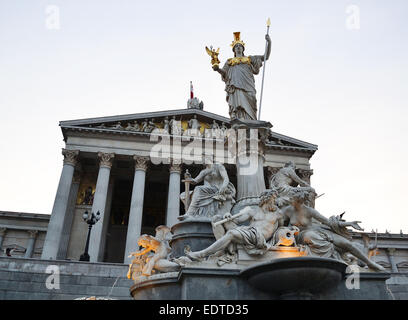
[(109, 167)]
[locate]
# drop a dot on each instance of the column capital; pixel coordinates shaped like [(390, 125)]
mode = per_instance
[(32, 233), (105, 159), (305, 173), (141, 163), (391, 251), (175, 166), (70, 156), (2, 231)]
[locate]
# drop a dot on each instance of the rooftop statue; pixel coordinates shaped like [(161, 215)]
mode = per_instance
[(238, 75), (194, 127), (175, 126)]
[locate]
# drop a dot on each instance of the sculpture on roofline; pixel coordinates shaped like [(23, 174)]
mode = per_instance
[(175, 126), (194, 127)]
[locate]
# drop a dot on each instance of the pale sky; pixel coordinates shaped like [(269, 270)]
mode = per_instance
[(332, 80)]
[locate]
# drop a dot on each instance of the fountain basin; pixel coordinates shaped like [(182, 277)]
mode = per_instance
[(296, 278)]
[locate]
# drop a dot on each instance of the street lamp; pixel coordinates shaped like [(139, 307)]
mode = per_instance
[(90, 219)]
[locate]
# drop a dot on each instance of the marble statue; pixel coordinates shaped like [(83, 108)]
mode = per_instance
[(217, 193), (238, 75), (193, 127), (175, 126), (216, 130), (195, 103), (129, 127), (328, 238), (102, 126), (117, 126), (263, 222), (154, 256), (284, 181), (88, 196), (166, 125)]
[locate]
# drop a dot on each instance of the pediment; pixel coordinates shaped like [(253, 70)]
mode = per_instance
[(131, 124)]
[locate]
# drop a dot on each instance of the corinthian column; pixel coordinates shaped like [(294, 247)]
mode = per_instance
[(54, 231), (173, 199), (2, 234), (136, 206), (31, 243), (99, 204), (305, 175)]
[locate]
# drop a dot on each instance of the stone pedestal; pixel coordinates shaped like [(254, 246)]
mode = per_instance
[(250, 162), (196, 234)]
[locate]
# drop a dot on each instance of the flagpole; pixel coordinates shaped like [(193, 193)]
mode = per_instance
[(268, 23)]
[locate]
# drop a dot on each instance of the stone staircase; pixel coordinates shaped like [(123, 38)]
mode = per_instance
[(25, 279)]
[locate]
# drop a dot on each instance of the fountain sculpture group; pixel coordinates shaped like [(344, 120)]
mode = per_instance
[(270, 242)]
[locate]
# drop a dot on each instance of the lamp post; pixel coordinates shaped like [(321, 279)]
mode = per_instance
[(90, 219)]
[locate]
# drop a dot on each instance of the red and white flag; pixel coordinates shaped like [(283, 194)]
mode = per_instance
[(191, 90)]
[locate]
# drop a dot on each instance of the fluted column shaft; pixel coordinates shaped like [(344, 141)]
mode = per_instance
[(55, 226), (173, 199), (31, 243), (99, 204), (390, 254), (2, 234), (136, 206)]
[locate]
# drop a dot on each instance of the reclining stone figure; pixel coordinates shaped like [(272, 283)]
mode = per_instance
[(263, 222), (323, 237)]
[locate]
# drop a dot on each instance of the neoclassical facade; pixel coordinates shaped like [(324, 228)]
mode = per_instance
[(130, 168)]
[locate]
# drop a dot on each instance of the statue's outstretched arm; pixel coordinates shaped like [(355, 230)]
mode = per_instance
[(319, 217), (243, 215), (225, 178)]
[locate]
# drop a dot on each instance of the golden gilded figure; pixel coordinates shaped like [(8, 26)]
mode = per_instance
[(214, 55), (154, 256)]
